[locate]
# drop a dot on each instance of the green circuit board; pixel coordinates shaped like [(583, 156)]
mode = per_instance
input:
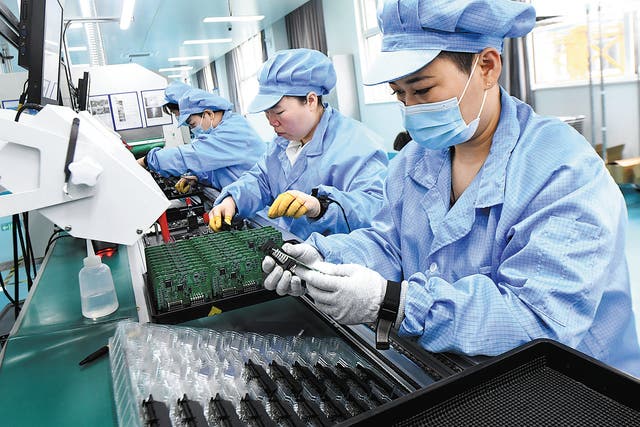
[(209, 267)]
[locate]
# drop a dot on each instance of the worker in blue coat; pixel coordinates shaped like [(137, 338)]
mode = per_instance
[(172, 94), (324, 171), (225, 145), (499, 226)]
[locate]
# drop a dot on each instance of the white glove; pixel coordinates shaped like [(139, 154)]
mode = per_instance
[(350, 293), (283, 282)]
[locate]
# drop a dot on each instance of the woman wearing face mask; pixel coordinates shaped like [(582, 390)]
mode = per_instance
[(224, 144), (324, 171), (498, 226)]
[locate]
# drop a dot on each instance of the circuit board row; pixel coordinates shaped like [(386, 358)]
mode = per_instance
[(207, 267)]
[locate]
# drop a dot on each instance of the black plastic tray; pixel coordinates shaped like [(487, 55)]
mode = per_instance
[(539, 383)]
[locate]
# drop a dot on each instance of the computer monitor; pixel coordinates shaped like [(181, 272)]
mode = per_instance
[(84, 84), (39, 51)]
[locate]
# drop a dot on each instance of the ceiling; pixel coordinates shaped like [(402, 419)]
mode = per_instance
[(160, 27)]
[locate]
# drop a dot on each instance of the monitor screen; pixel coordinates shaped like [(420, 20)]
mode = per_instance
[(51, 51), (84, 85), (39, 50)]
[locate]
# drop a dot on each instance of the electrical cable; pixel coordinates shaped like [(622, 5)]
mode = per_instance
[(16, 272), (25, 221), (28, 105), (324, 201), (343, 212), (6, 292), (53, 240), (55, 231), (25, 254), (73, 91)]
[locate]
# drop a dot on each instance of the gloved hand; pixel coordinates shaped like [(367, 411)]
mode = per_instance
[(350, 293), (184, 184), (294, 203), (283, 282), (226, 209)]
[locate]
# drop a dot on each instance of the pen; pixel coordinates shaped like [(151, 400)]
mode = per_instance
[(95, 355)]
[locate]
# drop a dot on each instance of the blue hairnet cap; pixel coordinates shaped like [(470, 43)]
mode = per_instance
[(174, 91), (293, 72), (195, 101), (414, 32)]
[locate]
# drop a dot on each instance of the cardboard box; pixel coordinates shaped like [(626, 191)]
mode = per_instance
[(625, 171), (613, 152)]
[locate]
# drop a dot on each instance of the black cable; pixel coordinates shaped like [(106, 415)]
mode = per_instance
[(73, 91), (6, 292), (53, 240), (23, 95), (324, 199), (55, 231), (25, 254), (343, 212), (25, 221), (16, 272), (28, 105)]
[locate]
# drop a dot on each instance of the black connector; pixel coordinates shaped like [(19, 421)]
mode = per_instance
[(283, 414), (336, 411), (357, 403), (254, 414), (222, 413), (281, 372), (257, 372), (155, 414), (311, 414), (387, 387), (331, 376), (283, 259), (359, 382), (191, 413), (307, 375)]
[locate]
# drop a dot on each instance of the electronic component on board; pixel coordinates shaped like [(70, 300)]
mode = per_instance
[(207, 268), (283, 259)]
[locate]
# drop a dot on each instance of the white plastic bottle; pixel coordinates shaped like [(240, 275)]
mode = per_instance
[(97, 291)]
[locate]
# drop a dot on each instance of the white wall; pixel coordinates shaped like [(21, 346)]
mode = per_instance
[(11, 85), (130, 77), (621, 108), (342, 38)]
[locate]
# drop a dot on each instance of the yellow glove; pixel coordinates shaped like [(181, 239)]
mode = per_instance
[(184, 184), (226, 209), (294, 203)]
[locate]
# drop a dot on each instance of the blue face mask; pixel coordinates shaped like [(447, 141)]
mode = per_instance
[(197, 130), (439, 125)]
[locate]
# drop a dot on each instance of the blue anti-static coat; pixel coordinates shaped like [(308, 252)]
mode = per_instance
[(344, 160), (217, 158), (535, 247)]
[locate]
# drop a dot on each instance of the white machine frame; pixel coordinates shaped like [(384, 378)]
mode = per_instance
[(109, 197)]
